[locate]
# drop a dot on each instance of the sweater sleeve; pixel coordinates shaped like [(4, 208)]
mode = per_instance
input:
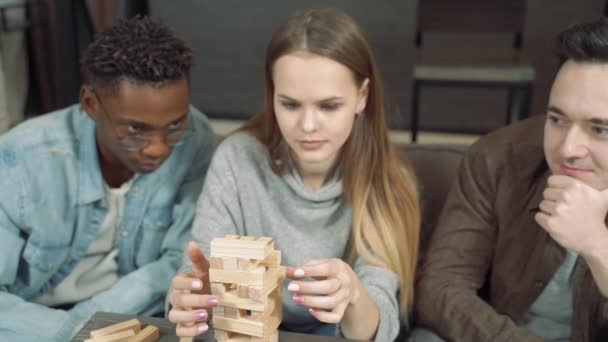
[(382, 285)]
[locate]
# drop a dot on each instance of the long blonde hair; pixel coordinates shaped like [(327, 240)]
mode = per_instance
[(379, 186)]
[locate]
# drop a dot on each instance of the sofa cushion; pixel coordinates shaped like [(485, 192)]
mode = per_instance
[(436, 167)]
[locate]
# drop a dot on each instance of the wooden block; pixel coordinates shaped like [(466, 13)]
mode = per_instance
[(257, 250), (247, 326), (272, 301), (186, 339), (121, 336), (216, 263), (248, 238), (265, 240), (148, 334), (232, 237), (256, 293), (243, 291), (243, 264), (254, 277), (272, 260), (234, 301), (132, 324), (229, 264), (243, 326), (218, 311), (272, 337), (218, 289), (221, 335), (230, 312)]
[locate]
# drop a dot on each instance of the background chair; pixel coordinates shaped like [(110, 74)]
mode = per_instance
[(481, 65)]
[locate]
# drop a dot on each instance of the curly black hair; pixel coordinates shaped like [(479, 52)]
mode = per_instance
[(140, 50), (584, 42)]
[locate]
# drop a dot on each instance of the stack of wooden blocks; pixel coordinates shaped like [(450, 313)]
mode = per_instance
[(127, 331), (247, 276)]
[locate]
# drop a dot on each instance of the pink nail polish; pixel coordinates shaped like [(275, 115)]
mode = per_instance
[(299, 272), (298, 299), (293, 287), (213, 302), (203, 328), (312, 312), (201, 316)]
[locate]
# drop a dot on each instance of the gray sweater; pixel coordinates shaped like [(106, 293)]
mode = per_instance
[(243, 196)]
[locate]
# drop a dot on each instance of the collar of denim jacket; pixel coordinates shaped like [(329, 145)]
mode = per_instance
[(90, 186)]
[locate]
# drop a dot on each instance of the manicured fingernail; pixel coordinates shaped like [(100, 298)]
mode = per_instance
[(197, 284), (298, 299), (213, 302), (299, 272), (203, 328), (293, 287), (201, 315), (312, 312)]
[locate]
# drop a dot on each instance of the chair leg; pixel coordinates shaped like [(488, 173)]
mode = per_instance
[(414, 113)]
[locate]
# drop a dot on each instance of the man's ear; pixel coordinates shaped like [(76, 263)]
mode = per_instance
[(88, 102), (363, 94)]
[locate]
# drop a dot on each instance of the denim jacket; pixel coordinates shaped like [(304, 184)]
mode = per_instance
[(51, 190)]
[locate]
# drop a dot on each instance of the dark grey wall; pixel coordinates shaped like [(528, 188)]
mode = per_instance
[(230, 36)]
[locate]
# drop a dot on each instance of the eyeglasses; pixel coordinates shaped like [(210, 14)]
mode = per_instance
[(132, 140)]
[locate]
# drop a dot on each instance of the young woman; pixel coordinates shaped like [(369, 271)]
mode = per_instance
[(316, 172)]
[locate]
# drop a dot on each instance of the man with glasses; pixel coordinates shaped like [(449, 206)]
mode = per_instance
[(96, 200)]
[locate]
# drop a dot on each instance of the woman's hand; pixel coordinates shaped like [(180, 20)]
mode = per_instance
[(334, 287), (190, 298)]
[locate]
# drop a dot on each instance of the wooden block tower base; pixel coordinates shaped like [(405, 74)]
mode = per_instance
[(246, 274)]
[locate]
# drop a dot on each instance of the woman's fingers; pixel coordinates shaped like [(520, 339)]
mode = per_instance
[(191, 316), (195, 330), (185, 281), (333, 317), (324, 287), (323, 302), (184, 299)]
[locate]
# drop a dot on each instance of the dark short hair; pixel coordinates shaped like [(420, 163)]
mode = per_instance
[(140, 50), (584, 42)]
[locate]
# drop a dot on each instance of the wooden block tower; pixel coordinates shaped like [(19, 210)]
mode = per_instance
[(247, 276)]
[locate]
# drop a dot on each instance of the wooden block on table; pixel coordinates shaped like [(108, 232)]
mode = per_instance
[(232, 237), (249, 238), (148, 334), (121, 336), (247, 249), (132, 324)]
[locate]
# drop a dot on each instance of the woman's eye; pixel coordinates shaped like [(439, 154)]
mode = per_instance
[(289, 105), (330, 106)]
